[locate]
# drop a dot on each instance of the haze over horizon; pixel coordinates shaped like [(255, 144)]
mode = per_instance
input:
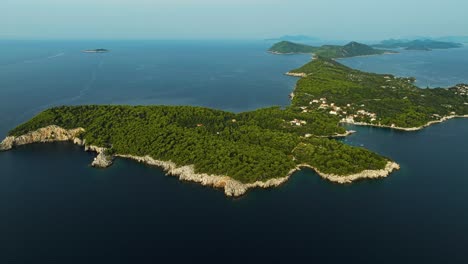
[(239, 19)]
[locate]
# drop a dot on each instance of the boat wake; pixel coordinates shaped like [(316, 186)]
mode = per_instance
[(89, 84), (33, 60), (56, 55)]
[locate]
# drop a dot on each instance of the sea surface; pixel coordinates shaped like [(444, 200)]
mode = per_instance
[(55, 208)]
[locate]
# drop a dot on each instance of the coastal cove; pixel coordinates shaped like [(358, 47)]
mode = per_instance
[(53, 199)]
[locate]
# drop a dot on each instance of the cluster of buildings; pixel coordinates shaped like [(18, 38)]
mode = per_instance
[(462, 89), (330, 107), (297, 122), (364, 113), (322, 104), (345, 111), (360, 114)]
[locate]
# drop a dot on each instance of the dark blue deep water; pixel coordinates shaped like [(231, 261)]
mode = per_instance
[(55, 208)]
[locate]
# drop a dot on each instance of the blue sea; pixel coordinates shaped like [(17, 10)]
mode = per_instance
[(55, 208)]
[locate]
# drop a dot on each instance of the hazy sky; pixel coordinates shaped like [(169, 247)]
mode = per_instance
[(230, 19)]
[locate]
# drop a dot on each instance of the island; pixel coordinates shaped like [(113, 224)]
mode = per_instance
[(351, 49), (96, 51), (419, 44), (260, 148)]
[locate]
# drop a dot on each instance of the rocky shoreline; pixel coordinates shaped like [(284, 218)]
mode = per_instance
[(187, 173), (57, 134), (296, 74), (345, 134), (231, 186), (366, 174), (443, 119), (42, 135)]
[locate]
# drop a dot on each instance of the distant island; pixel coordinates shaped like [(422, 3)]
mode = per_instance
[(261, 148), (96, 51), (419, 44), (351, 49)]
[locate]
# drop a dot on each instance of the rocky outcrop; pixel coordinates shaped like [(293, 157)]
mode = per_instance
[(46, 134), (102, 160), (79, 141), (366, 174), (187, 173), (94, 148), (235, 188), (53, 134), (7, 143), (297, 74), (281, 53), (345, 134)]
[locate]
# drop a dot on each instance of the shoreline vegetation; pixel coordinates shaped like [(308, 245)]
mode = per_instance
[(260, 148), (231, 186)]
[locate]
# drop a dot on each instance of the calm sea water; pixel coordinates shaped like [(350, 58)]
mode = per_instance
[(438, 68), (234, 76), (54, 207)]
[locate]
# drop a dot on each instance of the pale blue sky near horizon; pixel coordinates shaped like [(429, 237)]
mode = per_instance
[(230, 19)]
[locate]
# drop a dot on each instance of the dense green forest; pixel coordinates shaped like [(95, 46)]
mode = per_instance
[(351, 49), (374, 98), (249, 146), (419, 44)]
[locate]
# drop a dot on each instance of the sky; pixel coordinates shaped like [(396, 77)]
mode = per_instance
[(230, 19)]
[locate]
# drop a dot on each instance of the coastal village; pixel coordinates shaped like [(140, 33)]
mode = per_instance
[(461, 89), (357, 114), (347, 113)]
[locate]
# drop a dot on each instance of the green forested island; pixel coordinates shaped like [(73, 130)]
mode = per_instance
[(265, 144), (351, 49), (251, 146), (419, 44)]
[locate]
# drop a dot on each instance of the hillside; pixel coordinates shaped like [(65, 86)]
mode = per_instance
[(351, 49), (286, 47), (376, 99), (420, 44)]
